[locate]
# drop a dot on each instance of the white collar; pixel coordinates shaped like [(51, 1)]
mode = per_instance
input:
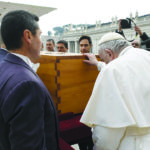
[(25, 59), (125, 50), (28, 61)]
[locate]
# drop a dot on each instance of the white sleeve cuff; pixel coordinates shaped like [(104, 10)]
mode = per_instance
[(100, 65)]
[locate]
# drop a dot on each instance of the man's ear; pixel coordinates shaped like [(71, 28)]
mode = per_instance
[(27, 36), (110, 53)]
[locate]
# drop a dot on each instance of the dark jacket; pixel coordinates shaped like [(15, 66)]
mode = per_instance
[(2, 54), (144, 37), (28, 119)]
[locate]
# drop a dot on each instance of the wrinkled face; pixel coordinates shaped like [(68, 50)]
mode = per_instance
[(61, 47), (36, 45), (106, 56), (85, 47), (135, 44), (50, 46)]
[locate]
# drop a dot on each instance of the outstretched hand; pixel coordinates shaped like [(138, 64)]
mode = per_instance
[(92, 60), (138, 30)]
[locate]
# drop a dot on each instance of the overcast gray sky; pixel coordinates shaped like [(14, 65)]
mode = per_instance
[(86, 11)]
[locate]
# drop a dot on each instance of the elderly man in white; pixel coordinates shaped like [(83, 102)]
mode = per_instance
[(119, 108)]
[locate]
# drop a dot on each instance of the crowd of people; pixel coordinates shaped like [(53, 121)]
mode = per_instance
[(118, 109), (62, 45)]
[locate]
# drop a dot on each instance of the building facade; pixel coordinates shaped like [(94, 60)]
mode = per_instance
[(98, 30)]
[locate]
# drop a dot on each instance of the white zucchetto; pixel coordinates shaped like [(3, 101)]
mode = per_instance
[(109, 37)]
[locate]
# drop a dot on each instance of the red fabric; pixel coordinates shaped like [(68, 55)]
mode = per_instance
[(64, 146), (72, 131), (70, 123), (66, 116)]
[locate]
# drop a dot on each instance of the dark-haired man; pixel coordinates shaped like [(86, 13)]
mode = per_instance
[(85, 43), (85, 47), (28, 119), (50, 45), (62, 46)]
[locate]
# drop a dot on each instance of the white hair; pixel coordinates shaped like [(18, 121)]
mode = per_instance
[(113, 41), (115, 45)]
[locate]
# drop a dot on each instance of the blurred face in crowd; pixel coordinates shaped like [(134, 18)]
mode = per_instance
[(50, 46), (61, 47), (135, 44), (85, 46)]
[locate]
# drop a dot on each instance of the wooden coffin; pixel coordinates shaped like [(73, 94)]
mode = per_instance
[(69, 80)]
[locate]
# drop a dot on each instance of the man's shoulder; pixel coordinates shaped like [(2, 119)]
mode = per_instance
[(15, 74), (116, 66), (3, 50), (131, 59), (2, 53), (16, 67)]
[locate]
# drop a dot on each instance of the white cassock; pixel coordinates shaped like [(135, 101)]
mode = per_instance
[(119, 108)]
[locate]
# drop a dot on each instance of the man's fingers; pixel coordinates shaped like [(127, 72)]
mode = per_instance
[(86, 61)]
